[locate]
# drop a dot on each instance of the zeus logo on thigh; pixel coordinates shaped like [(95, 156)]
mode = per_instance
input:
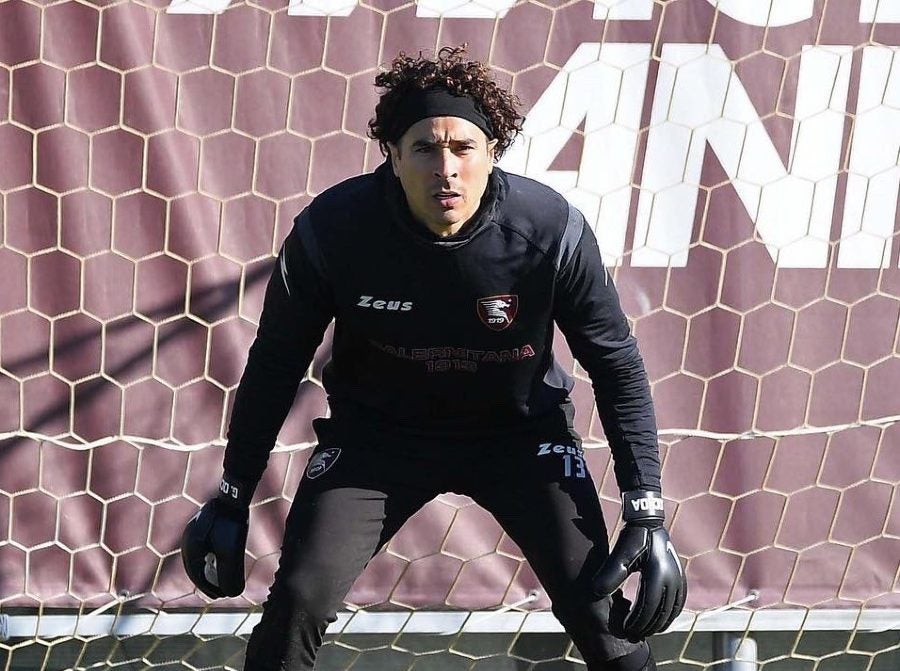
[(550, 448), (572, 457)]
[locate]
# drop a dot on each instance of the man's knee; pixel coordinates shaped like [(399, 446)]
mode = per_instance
[(293, 624), (587, 622), (307, 593), (638, 660)]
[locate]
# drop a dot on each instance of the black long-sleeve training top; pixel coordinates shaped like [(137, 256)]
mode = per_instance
[(443, 336)]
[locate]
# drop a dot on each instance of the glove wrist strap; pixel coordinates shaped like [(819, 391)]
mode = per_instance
[(641, 505), (235, 492)]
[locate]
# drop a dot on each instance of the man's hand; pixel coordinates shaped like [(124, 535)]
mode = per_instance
[(643, 546), (213, 542)]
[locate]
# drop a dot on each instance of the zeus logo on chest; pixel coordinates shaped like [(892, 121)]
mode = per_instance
[(372, 303)]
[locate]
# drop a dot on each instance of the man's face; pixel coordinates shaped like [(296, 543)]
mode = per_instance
[(443, 164)]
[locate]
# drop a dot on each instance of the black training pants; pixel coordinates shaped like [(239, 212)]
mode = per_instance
[(352, 499)]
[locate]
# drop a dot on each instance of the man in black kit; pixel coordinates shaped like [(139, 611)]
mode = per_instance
[(444, 277)]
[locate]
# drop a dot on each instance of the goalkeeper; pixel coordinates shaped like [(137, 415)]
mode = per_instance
[(444, 276)]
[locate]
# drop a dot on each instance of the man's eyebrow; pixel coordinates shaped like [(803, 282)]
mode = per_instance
[(430, 142)]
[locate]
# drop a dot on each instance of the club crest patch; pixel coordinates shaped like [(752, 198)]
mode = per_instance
[(321, 462), (498, 312)]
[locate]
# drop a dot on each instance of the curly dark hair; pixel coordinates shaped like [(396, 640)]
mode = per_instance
[(450, 71)]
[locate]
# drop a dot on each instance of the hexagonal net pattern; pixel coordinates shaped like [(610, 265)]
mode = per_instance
[(739, 164)]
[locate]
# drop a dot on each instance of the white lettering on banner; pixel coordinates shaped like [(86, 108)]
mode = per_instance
[(698, 100), (763, 13), (197, 6), (321, 7), (604, 87), (455, 9), (873, 181), (771, 13), (879, 11), (623, 10), (473, 9)]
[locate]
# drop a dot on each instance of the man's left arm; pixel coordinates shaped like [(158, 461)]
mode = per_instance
[(589, 314), (587, 310)]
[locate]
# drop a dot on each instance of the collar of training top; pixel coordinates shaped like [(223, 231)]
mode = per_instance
[(418, 105)]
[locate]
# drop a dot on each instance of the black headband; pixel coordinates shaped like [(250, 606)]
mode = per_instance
[(418, 105)]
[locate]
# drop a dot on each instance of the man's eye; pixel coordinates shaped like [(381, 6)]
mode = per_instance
[(423, 150), (465, 148)]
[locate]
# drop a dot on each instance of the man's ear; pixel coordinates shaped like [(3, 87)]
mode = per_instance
[(394, 152), (490, 150)]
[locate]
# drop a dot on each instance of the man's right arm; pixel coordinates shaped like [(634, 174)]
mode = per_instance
[(298, 308)]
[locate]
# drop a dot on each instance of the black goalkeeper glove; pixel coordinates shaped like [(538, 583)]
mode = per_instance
[(643, 546), (214, 540)]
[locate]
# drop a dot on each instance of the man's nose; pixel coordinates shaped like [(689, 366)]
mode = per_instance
[(447, 164)]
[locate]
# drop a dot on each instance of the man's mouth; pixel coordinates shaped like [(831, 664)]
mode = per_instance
[(448, 199)]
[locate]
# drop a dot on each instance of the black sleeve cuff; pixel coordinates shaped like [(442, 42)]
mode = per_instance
[(235, 492)]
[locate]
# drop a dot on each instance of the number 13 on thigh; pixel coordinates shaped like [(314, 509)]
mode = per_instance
[(573, 461), (574, 465)]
